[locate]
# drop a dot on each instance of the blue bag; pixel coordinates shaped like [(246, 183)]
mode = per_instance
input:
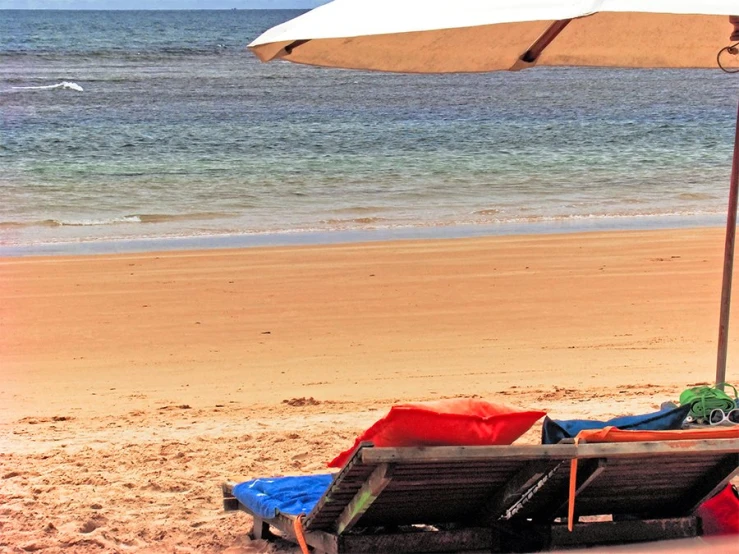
[(554, 430)]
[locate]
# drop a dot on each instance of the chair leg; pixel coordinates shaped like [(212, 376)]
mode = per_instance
[(260, 529)]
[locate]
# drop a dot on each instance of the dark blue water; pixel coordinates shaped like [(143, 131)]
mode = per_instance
[(180, 133)]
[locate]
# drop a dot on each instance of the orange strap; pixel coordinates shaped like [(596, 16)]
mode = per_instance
[(573, 490), (298, 528)]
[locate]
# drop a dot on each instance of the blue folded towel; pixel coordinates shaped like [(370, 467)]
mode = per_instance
[(554, 430), (288, 495)]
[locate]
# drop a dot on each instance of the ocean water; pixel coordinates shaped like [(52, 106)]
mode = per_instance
[(140, 130)]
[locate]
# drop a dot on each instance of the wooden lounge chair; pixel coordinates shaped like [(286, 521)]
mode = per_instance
[(509, 498)]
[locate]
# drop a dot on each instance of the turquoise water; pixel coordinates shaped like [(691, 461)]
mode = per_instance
[(180, 137)]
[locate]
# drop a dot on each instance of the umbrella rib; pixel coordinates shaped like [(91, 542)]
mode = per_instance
[(535, 50), (294, 44)]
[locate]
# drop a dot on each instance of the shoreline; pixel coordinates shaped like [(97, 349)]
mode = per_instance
[(354, 236)]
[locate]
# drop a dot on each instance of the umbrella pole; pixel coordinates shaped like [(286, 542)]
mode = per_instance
[(723, 328)]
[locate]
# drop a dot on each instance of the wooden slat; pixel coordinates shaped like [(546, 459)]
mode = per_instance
[(688, 459), (626, 474), (607, 487), (652, 450), (641, 508), (495, 471), (638, 480), (433, 502), (451, 459), (609, 484), (412, 498), (459, 540), (492, 454), (618, 532), (457, 478), (616, 497), (364, 498), (447, 473), (420, 501), (634, 478)]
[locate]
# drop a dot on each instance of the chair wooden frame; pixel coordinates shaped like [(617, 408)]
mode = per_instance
[(510, 498)]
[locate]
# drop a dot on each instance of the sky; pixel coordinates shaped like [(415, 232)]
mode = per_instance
[(155, 4)]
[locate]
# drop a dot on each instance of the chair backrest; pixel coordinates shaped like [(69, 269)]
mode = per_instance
[(483, 484), (439, 484), (660, 479)]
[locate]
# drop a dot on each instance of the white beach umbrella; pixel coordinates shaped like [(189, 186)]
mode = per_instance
[(432, 36), (439, 36)]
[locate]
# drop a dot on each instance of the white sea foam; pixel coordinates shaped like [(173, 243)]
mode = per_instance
[(67, 85), (93, 222)]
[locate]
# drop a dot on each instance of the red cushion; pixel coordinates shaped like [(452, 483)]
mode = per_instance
[(720, 514), (454, 422)]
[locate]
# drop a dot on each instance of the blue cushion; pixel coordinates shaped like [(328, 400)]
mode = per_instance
[(554, 431), (288, 495)]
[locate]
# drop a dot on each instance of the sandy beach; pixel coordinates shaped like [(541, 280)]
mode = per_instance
[(134, 384)]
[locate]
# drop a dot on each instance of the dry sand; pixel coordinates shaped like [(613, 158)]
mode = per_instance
[(134, 384)]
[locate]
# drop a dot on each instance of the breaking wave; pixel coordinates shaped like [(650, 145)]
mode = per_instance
[(94, 222), (64, 85)]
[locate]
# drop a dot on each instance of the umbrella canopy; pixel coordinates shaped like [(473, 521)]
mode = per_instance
[(424, 36), (438, 36)]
